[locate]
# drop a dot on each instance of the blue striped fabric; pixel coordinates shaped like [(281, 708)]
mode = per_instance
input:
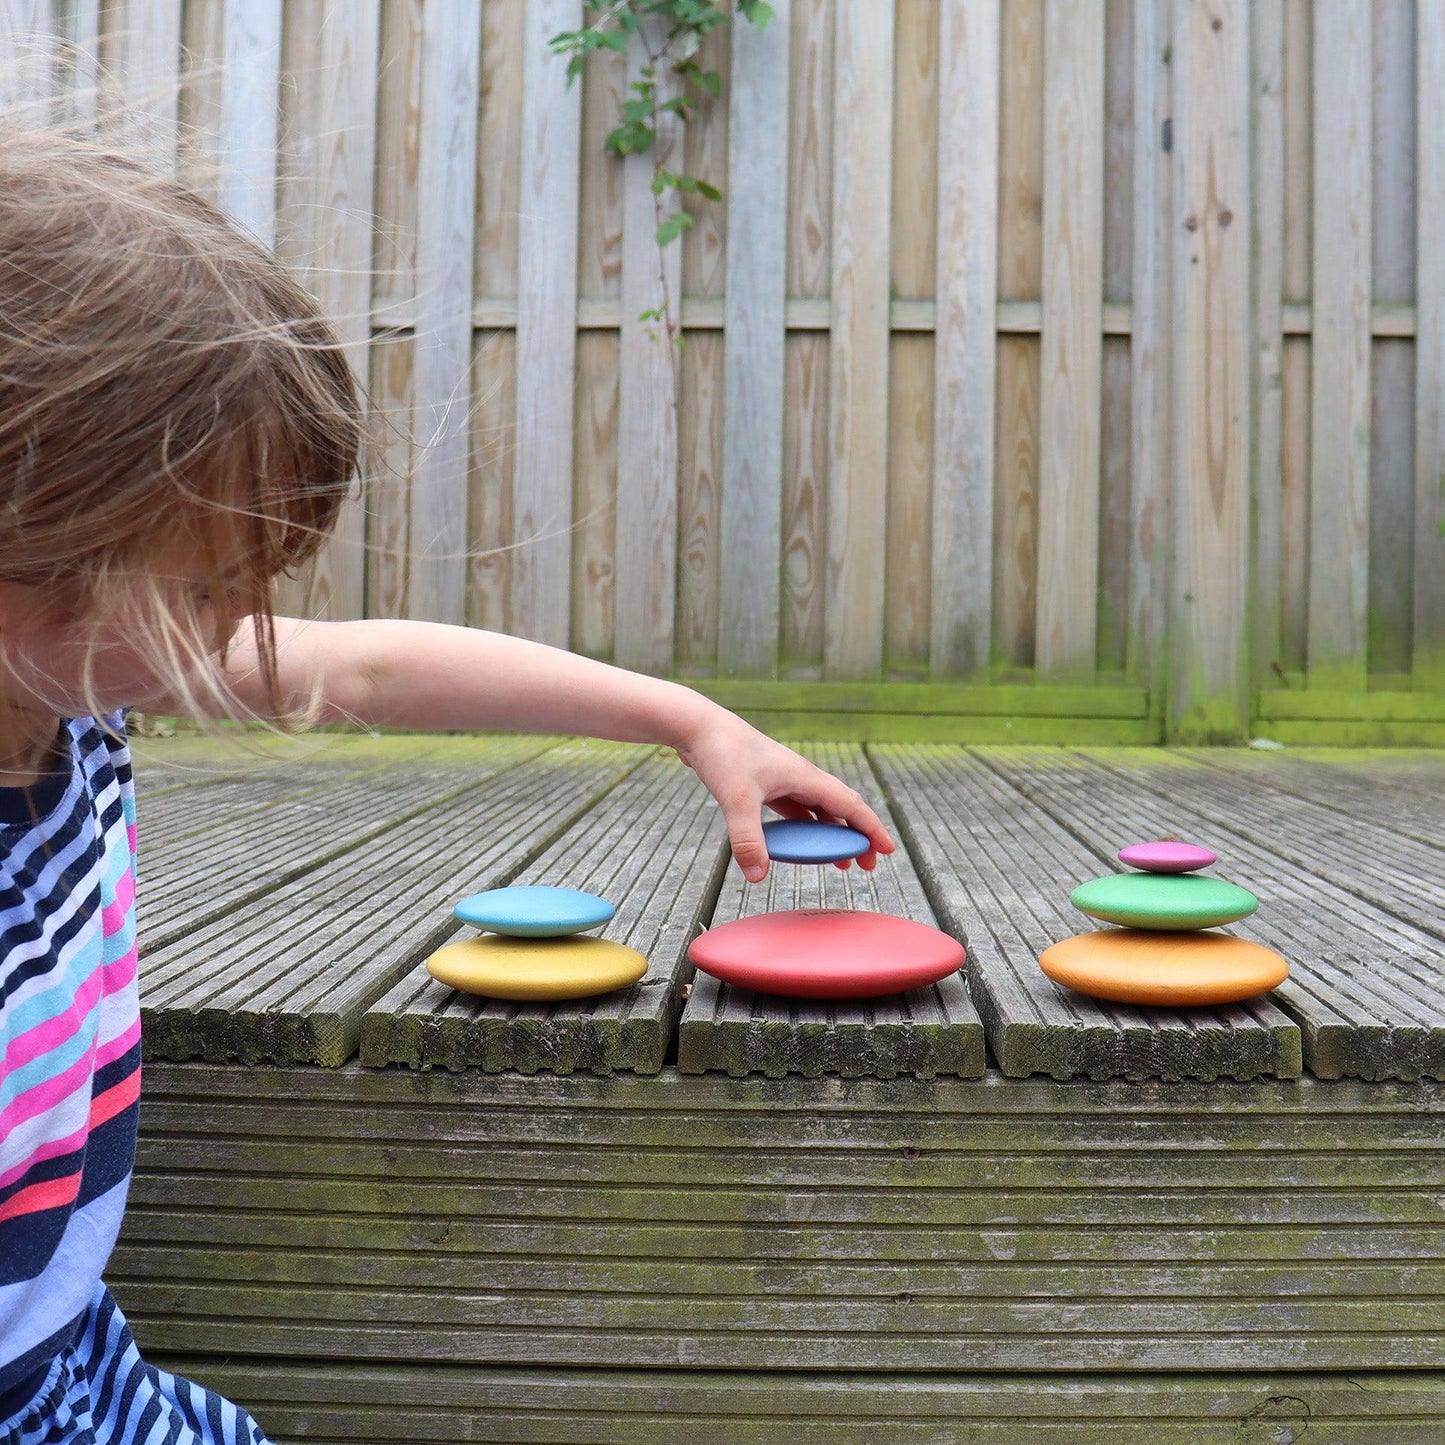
[(69, 1104), (100, 1392)]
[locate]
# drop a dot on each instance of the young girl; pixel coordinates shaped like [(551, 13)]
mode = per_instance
[(178, 427)]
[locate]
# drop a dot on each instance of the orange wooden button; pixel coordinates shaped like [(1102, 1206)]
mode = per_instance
[(1132, 965)]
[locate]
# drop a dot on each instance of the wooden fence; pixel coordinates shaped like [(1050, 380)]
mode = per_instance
[(1074, 358)]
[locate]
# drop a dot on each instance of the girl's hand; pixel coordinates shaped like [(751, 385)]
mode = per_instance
[(745, 770)]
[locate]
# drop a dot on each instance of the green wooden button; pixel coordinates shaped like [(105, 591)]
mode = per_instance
[(1162, 900)]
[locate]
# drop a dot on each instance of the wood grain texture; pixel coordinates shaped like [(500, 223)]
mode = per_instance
[(1267, 96), (1021, 150), (1362, 984), (354, 1402), (750, 602), (927, 1032), (965, 366), (805, 499), (326, 190), (680, 1224), (907, 595), (1429, 549), (1340, 356), (442, 365), (233, 985), (999, 870), (539, 602), (1210, 373), (1016, 502), (858, 342), (1073, 241), (251, 67), (655, 848), (810, 141), (647, 440), (490, 479), (700, 505)]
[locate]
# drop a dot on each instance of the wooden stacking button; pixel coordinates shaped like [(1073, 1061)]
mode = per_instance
[(1131, 965), (536, 969)]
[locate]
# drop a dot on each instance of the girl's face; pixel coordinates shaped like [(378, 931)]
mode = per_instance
[(55, 659)]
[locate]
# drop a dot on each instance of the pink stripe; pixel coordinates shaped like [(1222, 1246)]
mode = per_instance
[(112, 1049), (130, 837), (53, 1032), (119, 972), (49, 1094), (113, 915), (51, 1150)]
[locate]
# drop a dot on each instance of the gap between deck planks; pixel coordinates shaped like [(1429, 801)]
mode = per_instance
[(655, 847), (934, 1030), (999, 869), (1365, 984), (284, 972)]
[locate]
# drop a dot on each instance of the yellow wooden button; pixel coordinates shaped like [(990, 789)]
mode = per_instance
[(1132, 965), (536, 969)]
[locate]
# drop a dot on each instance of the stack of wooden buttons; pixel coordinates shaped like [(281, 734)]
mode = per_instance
[(531, 948), (824, 953), (1165, 950)]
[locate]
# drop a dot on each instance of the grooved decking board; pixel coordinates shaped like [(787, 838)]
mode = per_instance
[(352, 1403), (1381, 865), (655, 847), (673, 1222), (1000, 870), (238, 842), (286, 977), (928, 1031), (1364, 987), (1411, 802)]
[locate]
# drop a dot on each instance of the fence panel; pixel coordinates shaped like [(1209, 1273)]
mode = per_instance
[(979, 384)]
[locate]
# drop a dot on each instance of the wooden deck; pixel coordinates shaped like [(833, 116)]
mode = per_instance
[(990, 1210)]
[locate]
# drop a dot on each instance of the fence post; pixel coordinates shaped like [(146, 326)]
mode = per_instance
[(1208, 621)]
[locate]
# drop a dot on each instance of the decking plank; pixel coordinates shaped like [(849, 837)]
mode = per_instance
[(1409, 802), (287, 975), (700, 1222), (928, 1031), (656, 848), (1369, 857), (357, 1403), (1364, 986), (245, 836), (999, 870)]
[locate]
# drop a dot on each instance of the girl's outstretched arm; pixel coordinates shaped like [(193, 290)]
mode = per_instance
[(430, 676)]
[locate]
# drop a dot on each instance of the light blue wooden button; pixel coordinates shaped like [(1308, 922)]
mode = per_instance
[(806, 840), (534, 910)]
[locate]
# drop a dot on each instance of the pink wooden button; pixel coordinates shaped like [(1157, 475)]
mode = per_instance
[(1166, 857)]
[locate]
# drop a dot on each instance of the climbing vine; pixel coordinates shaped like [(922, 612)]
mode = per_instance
[(671, 33)]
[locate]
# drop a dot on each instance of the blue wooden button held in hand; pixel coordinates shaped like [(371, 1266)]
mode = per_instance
[(534, 910), (805, 840)]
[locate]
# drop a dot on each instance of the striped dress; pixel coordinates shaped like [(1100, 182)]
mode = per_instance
[(69, 1102)]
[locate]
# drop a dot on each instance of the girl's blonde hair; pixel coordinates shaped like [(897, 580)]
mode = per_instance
[(163, 381)]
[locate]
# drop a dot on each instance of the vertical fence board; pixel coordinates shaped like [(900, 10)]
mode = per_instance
[(594, 552), (965, 376), (810, 145), (1429, 551), (1340, 378), (647, 443), (1295, 391), (492, 471), (910, 473), (398, 123), (756, 283), (1267, 98), (858, 345), (805, 492), (539, 600), (1071, 339), (27, 54), (699, 503), (1211, 368), (251, 75), (1149, 351), (325, 205), (141, 48), (446, 227)]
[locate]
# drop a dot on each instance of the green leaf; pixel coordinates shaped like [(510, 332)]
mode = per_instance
[(673, 227), (712, 83), (711, 192)]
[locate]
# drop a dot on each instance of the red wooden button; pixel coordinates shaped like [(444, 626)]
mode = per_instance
[(826, 953)]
